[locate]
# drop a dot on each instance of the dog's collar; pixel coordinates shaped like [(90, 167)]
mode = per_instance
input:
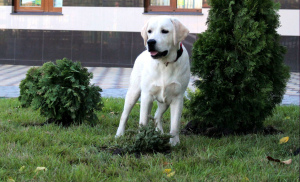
[(179, 53)]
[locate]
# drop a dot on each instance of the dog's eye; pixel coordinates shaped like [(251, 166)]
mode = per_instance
[(149, 31), (165, 31)]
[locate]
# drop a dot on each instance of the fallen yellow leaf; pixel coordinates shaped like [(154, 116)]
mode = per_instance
[(22, 168), (287, 161), (10, 179), (246, 179), (167, 171), (40, 169), (171, 174), (284, 140)]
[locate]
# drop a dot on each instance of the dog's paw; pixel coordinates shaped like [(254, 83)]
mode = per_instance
[(120, 132), (174, 141), (117, 136)]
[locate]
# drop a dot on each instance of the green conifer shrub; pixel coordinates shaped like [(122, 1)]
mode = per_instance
[(145, 140), (62, 92), (239, 61), (148, 139)]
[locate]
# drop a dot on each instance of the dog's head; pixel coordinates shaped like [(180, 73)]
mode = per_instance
[(162, 36)]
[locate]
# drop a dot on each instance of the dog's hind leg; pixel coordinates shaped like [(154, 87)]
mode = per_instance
[(133, 94), (161, 109)]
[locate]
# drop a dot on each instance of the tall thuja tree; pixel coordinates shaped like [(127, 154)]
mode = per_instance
[(239, 61)]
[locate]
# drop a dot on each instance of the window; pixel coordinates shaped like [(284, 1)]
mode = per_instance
[(205, 4), (38, 6), (173, 5)]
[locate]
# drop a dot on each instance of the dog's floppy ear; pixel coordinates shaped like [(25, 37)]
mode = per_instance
[(180, 31), (144, 33)]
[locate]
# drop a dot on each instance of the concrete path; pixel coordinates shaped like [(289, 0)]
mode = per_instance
[(113, 81)]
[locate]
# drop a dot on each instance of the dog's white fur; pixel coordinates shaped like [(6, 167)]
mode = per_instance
[(159, 79)]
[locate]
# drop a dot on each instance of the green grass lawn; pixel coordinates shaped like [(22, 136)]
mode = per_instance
[(75, 153)]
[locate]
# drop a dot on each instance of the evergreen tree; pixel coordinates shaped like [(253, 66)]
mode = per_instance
[(239, 61), (62, 92)]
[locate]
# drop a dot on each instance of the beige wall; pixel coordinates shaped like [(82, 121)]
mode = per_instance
[(121, 19)]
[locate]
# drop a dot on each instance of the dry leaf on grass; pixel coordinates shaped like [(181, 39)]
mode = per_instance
[(10, 179), (22, 168), (171, 174), (277, 160), (287, 161), (167, 171), (272, 159), (284, 140), (40, 169), (166, 163)]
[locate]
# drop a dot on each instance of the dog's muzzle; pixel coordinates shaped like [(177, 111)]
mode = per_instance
[(154, 53)]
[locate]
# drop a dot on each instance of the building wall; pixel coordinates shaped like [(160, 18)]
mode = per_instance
[(106, 33)]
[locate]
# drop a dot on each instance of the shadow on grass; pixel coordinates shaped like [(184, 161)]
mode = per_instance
[(193, 127)]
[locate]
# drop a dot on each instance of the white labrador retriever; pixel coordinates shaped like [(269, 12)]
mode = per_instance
[(161, 73)]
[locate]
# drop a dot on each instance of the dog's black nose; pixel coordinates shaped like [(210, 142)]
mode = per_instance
[(151, 42)]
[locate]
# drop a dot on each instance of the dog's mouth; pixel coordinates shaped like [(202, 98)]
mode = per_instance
[(156, 55)]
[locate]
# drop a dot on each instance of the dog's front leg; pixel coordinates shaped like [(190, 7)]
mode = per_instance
[(133, 94), (146, 106), (176, 109)]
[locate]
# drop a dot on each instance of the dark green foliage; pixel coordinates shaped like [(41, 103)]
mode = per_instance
[(146, 140), (62, 92), (240, 63)]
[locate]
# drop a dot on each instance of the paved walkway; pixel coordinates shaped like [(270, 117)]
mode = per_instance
[(113, 81)]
